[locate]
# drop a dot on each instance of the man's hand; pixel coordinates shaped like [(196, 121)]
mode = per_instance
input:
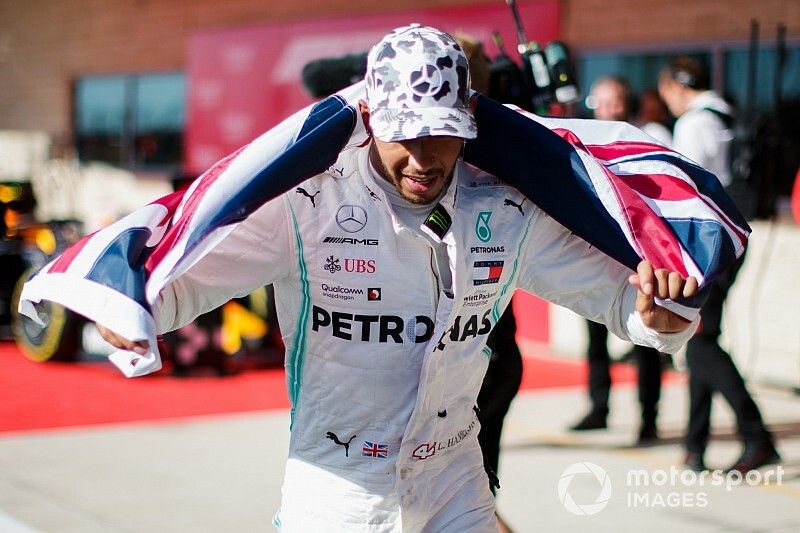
[(665, 285), (118, 341)]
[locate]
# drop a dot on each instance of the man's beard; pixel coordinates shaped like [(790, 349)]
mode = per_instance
[(397, 180)]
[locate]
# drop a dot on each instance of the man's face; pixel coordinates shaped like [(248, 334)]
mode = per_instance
[(610, 102), (418, 168)]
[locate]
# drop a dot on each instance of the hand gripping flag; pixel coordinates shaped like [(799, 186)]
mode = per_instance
[(607, 182)]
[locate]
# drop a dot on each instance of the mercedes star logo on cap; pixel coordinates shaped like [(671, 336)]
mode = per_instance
[(425, 80)]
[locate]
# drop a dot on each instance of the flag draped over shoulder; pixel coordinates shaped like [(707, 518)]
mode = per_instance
[(617, 188), (607, 182)]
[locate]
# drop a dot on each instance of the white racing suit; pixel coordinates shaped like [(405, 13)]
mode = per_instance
[(383, 364)]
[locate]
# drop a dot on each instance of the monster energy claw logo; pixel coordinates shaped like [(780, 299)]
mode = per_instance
[(438, 220), (482, 229)]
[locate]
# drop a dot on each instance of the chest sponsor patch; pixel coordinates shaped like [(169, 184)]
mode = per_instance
[(479, 298), (486, 272)]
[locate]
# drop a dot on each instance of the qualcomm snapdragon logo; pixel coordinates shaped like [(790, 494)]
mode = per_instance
[(603, 489)]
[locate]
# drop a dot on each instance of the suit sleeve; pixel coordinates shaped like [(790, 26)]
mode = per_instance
[(566, 270), (256, 253)]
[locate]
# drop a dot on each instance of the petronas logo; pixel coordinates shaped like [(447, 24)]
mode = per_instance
[(482, 229)]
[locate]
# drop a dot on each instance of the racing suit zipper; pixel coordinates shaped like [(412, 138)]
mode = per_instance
[(436, 276)]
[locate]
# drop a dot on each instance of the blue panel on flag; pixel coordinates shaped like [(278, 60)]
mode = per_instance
[(121, 265)]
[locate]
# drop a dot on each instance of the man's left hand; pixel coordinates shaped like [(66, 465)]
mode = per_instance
[(663, 284)]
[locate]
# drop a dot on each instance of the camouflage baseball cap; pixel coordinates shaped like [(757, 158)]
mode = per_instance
[(417, 85)]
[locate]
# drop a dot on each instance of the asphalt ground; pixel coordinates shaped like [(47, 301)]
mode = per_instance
[(223, 472)]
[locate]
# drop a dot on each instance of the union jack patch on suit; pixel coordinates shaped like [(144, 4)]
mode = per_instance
[(373, 449)]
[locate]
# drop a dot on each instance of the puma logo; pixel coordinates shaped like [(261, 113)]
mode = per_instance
[(517, 205), (331, 435), (310, 197)]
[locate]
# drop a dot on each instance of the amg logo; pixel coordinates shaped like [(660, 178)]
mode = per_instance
[(487, 249), (350, 240)]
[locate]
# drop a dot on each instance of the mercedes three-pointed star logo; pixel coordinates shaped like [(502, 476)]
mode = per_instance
[(425, 80), (351, 218)]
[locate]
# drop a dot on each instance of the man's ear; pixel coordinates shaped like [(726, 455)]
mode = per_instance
[(363, 109)]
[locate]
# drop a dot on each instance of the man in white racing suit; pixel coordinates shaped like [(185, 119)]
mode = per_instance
[(390, 270)]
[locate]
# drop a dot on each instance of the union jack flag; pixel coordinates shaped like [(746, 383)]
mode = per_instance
[(607, 182), (373, 449)]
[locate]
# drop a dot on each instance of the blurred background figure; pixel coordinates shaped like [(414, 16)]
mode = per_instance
[(610, 99), (703, 133), (653, 117)]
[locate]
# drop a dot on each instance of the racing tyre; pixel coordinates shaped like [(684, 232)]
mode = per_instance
[(58, 340)]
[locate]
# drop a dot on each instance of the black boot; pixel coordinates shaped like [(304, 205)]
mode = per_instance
[(648, 434), (694, 461), (596, 419), (756, 455)]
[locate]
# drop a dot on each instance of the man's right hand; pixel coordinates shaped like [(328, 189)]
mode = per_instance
[(118, 341)]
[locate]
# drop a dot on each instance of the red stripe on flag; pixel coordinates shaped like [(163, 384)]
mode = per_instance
[(653, 238), (660, 186), (617, 149), (174, 234)]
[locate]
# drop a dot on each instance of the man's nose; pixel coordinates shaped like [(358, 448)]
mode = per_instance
[(421, 154)]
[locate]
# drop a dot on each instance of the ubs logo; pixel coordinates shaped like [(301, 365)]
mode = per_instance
[(351, 218)]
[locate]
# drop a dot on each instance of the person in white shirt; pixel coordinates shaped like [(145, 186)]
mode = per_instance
[(703, 134)]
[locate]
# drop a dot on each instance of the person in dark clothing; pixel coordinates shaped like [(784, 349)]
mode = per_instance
[(703, 133), (500, 386), (649, 384), (712, 369)]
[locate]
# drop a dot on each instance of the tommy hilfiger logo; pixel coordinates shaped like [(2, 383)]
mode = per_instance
[(331, 435), (485, 272)]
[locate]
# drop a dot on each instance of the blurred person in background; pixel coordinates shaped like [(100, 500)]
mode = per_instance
[(384, 427), (653, 117), (610, 99), (504, 374), (703, 133)]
